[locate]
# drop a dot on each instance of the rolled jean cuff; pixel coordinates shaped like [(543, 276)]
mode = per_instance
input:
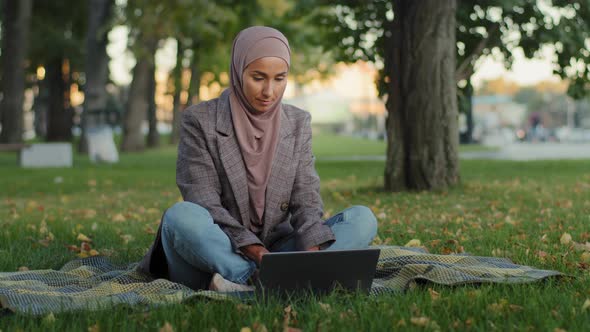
[(244, 278)]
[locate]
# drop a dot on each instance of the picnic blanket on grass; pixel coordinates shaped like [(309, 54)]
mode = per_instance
[(95, 283)]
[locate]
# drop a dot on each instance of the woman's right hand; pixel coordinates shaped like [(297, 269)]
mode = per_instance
[(254, 252)]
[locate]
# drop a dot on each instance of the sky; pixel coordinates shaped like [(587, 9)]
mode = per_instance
[(524, 71)]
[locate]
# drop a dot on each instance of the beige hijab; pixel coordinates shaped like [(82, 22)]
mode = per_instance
[(257, 132)]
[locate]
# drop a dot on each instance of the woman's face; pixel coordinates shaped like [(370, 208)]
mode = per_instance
[(265, 80)]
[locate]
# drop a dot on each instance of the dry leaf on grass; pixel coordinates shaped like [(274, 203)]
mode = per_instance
[(434, 295), (83, 238), (49, 319), (119, 218), (566, 238), (167, 327), (413, 243), (422, 321), (94, 328)]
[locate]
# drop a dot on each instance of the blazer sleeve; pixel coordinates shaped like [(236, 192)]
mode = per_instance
[(306, 204), (198, 180)]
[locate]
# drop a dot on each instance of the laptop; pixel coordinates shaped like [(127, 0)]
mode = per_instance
[(317, 272)]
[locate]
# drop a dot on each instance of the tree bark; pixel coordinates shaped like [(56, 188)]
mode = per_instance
[(422, 145), (177, 79), (41, 109), (153, 139), (137, 104), (60, 115), (466, 107), (15, 28), (194, 87), (97, 69)]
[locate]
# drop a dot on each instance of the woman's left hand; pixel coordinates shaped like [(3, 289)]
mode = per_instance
[(315, 248)]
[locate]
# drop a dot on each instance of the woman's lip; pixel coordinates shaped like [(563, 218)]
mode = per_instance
[(265, 102)]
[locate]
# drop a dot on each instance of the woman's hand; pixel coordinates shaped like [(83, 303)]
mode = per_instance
[(315, 248), (254, 252)]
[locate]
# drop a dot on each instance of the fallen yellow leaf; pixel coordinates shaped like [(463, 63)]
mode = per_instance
[(420, 321), (94, 328), (566, 238), (586, 305), (119, 218), (83, 238), (413, 243), (434, 295), (167, 327), (49, 319), (326, 307)]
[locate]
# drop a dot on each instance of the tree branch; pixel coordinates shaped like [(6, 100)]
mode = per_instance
[(465, 69)]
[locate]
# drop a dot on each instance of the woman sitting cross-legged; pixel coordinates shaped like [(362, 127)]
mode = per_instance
[(246, 172)]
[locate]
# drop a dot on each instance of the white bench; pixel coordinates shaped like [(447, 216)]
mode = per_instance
[(46, 155)]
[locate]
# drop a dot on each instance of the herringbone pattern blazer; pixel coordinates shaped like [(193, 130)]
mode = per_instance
[(210, 172)]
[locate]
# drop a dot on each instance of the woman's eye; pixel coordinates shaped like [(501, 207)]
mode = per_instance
[(279, 79), (258, 78)]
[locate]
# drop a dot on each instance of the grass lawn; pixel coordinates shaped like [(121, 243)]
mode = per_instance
[(326, 145), (520, 210)]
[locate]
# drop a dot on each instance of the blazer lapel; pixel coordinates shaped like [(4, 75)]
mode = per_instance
[(231, 157), (281, 165)]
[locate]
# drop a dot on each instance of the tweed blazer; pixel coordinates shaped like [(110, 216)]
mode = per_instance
[(210, 172)]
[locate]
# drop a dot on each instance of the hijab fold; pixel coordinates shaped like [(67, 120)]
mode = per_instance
[(257, 132)]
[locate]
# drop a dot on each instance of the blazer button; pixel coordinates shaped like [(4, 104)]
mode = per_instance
[(284, 206)]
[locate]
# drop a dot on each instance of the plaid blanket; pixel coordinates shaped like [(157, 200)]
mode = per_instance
[(95, 283)]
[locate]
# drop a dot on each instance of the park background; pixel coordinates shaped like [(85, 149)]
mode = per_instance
[(129, 68)]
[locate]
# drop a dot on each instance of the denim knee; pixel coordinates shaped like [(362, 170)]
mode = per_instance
[(184, 217), (365, 220)]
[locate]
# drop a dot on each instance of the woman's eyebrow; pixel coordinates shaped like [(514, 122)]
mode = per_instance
[(257, 72)]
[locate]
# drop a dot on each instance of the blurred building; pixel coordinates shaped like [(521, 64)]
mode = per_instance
[(496, 119), (346, 103)]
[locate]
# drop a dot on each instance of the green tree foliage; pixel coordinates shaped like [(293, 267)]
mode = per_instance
[(356, 29)]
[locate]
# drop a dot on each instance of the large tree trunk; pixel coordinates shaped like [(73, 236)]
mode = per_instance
[(153, 139), (422, 145), (137, 104), (15, 28), (60, 115), (97, 69)]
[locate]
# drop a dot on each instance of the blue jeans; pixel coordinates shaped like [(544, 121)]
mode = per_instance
[(196, 247)]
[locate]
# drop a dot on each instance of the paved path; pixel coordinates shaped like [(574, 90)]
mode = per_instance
[(516, 151)]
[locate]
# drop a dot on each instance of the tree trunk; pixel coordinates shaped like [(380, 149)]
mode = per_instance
[(60, 115), (41, 109), (422, 144), (137, 104), (15, 28), (466, 107), (177, 107), (194, 86), (153, 139), (97, 69)]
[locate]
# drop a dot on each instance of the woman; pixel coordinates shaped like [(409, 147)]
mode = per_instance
[(246, 172)]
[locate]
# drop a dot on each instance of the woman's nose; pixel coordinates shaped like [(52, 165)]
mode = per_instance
[(267, 89)]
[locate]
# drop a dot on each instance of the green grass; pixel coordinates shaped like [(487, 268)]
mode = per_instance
[(326, 145), (518, 210)]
